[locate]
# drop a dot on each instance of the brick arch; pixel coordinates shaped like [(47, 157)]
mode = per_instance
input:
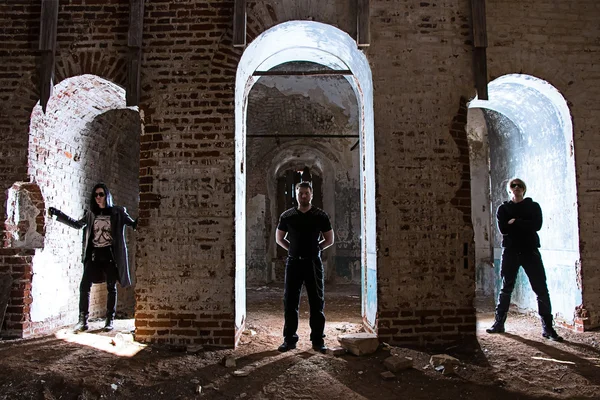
[(87, 135), (75, 103), (225, 55), (110, 66), (255, 24), (23, 99), (528, 63)]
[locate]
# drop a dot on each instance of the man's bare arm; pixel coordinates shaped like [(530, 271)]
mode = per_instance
[(281, 240), (328, 238)]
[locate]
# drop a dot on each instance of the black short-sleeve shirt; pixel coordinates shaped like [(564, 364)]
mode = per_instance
[(303, 230)]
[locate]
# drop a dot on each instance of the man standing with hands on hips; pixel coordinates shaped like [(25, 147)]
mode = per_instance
[(299, 232)]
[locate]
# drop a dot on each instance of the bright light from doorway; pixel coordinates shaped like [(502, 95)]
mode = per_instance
[(121, 344)]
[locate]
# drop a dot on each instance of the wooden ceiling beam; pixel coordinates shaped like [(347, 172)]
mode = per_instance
[(48, 25), (325, 72), (134, 56), (480, 44), (239, 23), (363, 24)]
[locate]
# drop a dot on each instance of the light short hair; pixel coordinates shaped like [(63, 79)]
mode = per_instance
[(518, 180)]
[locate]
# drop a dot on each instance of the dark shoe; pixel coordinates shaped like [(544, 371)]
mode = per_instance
[(498, 326), (82, 324), (548, 331), (285, 346), (321, 348), (109, 325)]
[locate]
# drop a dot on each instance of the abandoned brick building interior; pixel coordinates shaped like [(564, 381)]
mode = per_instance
[(201, 115)]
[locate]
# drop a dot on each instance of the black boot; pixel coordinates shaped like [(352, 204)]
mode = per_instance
[(320, 347), (548, 330), (82, 325), (109, 325), (498, 326), (285, 346)]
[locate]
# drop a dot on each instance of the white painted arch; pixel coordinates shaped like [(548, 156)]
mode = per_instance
[(541, 115), (326, 45)]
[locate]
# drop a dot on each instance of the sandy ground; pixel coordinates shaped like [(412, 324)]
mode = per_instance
[(95, 365)]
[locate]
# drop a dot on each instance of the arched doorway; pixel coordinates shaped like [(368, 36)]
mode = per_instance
[(328, 46), (87, 135), (525, 131)]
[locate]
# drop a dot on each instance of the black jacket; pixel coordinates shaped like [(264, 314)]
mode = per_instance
[(119, 218), (522, 234)]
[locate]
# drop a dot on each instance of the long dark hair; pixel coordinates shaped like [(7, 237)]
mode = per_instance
[(109, 200)]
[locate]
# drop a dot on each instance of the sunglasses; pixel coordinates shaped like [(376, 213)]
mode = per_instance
[(515, 185), (99, 194)]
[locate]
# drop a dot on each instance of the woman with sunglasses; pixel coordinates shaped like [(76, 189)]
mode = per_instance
[(519, 220), (104, 251)]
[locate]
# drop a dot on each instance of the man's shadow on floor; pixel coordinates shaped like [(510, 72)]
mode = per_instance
[(580, 365)]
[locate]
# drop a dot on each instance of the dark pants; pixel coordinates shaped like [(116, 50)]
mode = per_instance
[(99, 268), (531, 261), (307, 272)]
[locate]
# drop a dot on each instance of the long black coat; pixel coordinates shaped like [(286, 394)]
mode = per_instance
[(118, 220)]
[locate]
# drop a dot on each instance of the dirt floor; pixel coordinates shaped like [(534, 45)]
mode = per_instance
[(95, 365)]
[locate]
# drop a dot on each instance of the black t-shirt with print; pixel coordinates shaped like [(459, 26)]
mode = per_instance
[(303, 230), (102, 233)]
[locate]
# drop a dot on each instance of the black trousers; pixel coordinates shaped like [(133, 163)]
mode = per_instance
[(99, 268), (308, 272), (531, 260)]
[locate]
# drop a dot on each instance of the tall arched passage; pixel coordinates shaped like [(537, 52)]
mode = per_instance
[(525, 131), (328, 46), (87, 135)]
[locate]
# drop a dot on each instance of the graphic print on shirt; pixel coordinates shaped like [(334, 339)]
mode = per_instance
[(102, 231)]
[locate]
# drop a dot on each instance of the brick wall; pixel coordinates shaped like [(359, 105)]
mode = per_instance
[(25, 229), (421, 63), (18, 74), (57, 159), (421, 60), (17, 263)]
